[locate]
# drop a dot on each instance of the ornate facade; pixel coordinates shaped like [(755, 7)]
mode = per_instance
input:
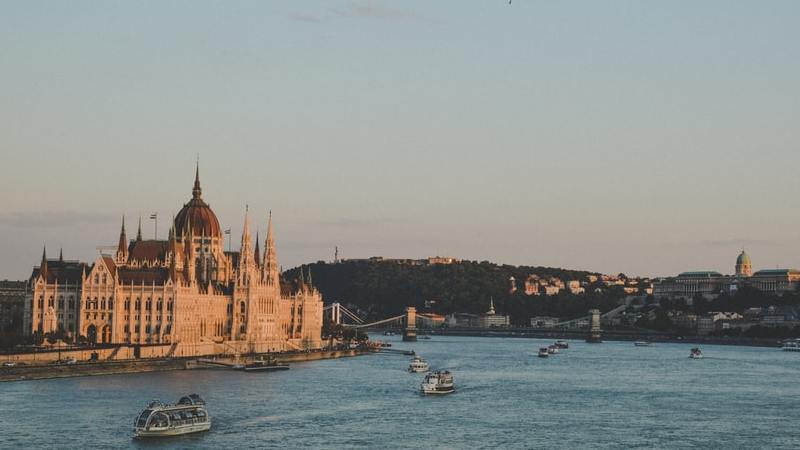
[(186, 289)]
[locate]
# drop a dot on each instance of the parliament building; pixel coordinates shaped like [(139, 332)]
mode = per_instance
[(184, 290)]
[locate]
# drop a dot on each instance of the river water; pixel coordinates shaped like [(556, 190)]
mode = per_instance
[(610, 395)]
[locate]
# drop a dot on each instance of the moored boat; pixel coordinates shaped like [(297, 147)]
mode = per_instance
[(552, 349), (418, 365), (642, 343), (696, 353), (263, 365), (561, 344), (544, 352), (439, 382), (791, 345), (189, 415)]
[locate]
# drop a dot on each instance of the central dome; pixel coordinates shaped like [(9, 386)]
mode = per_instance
[(198, 214), (743, 259)]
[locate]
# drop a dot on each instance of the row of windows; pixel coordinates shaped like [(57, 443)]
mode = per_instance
[(148, 305)]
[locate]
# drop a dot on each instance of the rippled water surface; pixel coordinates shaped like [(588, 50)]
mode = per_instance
[(611, 395)]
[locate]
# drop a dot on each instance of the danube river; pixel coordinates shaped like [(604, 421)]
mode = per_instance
[(609, 395)]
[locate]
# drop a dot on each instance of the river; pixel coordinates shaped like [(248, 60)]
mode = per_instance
[(610, 395)]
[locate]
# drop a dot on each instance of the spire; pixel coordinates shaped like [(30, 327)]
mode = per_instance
[(310, 283), (122, 247), (196, 191), (43, 265), (246, 262), (258, 251), (61, 254), (269, 267), (491, 306), (139, 231)]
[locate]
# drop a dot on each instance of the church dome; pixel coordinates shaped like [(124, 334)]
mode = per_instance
[(197, 213), (743, 259)]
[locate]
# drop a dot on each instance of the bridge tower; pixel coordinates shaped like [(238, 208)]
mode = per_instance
[(410, 332), (336, 314), (594, 327)]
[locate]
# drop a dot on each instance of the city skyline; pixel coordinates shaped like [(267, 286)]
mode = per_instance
[(644, 139)]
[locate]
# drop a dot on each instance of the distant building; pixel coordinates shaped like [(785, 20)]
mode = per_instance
[(512, 285), (574, 287), (12, 306), (491, 319), (544, 322), (743, 266), (442, 260)]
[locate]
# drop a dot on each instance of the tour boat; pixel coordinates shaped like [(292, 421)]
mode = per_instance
[(189, 415), (642, 344), (263, 365), (544, 352), (791, 345), (552, 349), (418, 365), (562, 344), (696, 353), (439, 382)]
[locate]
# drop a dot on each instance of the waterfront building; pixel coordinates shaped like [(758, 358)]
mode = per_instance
[(544, 322), (183, 290), (491, 319), (575, 287), (12, 306), (711, 284)]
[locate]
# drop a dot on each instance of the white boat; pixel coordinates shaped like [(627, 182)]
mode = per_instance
[(552, 349), (642, 344), (696, 354), (439, 382), (561, 344), (544, 352), (791, 345), (418, 365), (189, 415)]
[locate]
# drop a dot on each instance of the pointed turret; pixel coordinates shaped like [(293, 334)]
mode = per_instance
[(246, 263), (257, 253), (196, 191), (61, 254), (139, 231), (43, 264), (491, 306), (270, 265), (122, 246)]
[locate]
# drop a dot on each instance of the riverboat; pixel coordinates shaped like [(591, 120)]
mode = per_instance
[(263, 365), (561, 344), (439, 382), (791, 345), (544, 352), (642, 343), (696, 354), (552, 349), (189, 415), (418, 365)]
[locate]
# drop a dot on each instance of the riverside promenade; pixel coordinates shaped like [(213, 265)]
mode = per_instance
[(45, 370)]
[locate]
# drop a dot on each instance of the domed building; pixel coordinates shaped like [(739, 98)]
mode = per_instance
[(186, 292), (743, 266)]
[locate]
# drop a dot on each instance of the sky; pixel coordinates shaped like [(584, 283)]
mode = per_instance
[(647, 138)]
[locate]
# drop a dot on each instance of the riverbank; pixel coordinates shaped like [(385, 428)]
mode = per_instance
[(98, 368), (606, 336)]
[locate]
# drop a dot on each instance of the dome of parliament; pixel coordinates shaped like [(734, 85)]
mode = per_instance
[(743, 259), (198, 214)]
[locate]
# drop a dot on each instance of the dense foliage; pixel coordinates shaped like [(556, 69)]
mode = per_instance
[(381, 289)]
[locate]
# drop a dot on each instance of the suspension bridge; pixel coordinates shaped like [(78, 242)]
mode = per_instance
[(411, 319)]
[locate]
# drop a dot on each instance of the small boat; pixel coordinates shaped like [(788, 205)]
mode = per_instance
[(643, 343), (439, 382), (423, 336), (544, 352), (561, 344), (696, 353), (262, 365), (552, 349), (791, 345), (418, 365), (189, 415), (388, 333)]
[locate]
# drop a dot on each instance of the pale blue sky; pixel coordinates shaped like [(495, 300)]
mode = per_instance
[(643, 137)]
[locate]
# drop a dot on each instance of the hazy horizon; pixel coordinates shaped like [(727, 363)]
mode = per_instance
[(644, 138)]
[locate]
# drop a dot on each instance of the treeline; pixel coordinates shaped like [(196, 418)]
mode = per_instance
[(384, 288)]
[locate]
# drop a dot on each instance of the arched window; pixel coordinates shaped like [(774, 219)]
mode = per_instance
[(61, 302), (148, 304), (96, 279), (159, 305), (103, 303), (110, 304), (105, 280), (242, 308), (169, 305), (138, 303), (127, 305)]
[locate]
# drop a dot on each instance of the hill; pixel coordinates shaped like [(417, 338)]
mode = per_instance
[(382, 288)]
